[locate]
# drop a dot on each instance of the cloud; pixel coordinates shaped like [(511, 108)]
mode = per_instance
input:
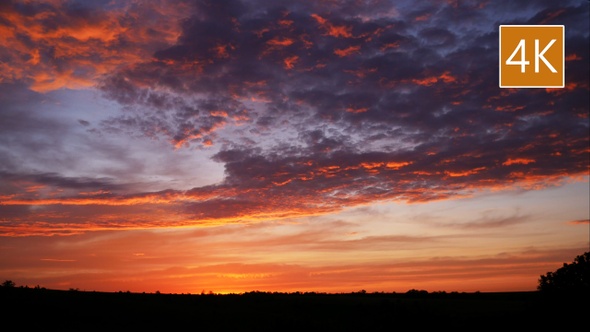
[(70, 44), (492, 222), (313, 106), (190, 261), (579, 222)]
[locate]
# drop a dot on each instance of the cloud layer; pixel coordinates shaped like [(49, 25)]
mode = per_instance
[(309, 106)]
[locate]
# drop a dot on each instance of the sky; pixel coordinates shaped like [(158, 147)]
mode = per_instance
[(331, 146)]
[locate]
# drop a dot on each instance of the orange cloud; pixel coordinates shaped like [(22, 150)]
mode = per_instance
[(290, 61), (191, 133), (347, 51), (569, 86), (286, 22), (389, 45), (85, 49), (222, 50), (509, 108), (357, 110), (550, 16), (517, 161), (573, 57), (397, 164), (579, 222), (333, 30), (445, 77), (428, 81), (319, 19), (424, 17), (113, 201), (464, 173), (279, 41), (339, 31), (361, 73)]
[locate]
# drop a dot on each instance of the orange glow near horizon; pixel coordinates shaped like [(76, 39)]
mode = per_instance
[(212, 259)]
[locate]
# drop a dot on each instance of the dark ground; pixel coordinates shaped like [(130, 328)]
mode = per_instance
[(29, 309)]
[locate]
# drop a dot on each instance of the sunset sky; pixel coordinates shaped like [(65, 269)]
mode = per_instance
[(331, 146)]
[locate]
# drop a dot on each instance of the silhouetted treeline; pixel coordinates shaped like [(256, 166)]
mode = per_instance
[(572, 278), (44, 309)]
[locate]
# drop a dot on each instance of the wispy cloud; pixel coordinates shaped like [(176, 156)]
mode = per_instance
[(579, 222), (207, 262)]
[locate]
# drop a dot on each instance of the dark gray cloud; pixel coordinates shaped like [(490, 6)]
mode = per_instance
[(365, 89), (53, 179)]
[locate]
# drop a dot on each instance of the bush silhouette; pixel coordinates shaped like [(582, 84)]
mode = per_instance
[(571, 278)]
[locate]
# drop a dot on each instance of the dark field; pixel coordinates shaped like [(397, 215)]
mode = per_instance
[(30, 309)]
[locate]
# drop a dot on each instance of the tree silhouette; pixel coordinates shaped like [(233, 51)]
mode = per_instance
[(8, 284), (571, 278)]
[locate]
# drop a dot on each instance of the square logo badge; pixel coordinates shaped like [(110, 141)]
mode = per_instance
[(532, 56)]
